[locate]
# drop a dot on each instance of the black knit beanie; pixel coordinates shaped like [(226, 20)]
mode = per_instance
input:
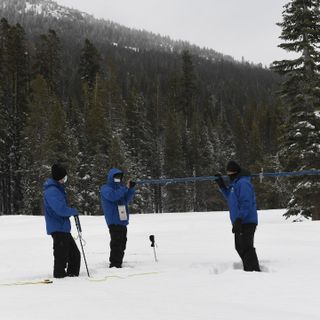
[(233, 166), (58, 172)]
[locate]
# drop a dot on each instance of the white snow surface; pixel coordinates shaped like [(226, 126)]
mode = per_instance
[(198, 275)]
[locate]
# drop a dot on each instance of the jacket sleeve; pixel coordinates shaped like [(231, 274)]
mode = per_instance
[(244, 195), (130, 194), (58, 204), (113, 195)]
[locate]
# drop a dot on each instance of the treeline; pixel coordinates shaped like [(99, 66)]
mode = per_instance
[(154, 114)]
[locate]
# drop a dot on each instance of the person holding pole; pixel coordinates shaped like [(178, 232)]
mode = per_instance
[(241, 200), (115, 197), (57, 213)]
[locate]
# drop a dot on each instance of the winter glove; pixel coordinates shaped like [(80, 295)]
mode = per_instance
[(219, 181), (237, 226), (132, 184)]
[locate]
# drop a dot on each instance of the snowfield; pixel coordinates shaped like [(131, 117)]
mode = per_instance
[(198, 275)]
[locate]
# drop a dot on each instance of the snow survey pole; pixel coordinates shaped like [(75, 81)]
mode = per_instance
[(153, 245), (78, 225), (212, 178)]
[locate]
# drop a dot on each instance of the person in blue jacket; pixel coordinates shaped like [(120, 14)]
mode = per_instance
[(241, 201), (115, 197), (57, 213)]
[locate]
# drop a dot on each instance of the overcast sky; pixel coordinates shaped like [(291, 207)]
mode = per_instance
[(239, 28)]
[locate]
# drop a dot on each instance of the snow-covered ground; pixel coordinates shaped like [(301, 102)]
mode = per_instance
[(198, 275)]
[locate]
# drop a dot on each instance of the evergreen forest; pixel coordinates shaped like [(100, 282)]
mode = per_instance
[(91, 94)]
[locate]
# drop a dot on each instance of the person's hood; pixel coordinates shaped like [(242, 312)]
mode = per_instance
[(51, 182), (111, 174)]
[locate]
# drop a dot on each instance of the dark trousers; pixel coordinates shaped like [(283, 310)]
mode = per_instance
[(245, 247), (118, 236), (66, 255)]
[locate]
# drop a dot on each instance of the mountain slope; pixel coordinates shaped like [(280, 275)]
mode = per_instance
[(50, 13)]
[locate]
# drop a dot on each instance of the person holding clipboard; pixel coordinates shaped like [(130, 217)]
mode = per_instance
[(115, 197)]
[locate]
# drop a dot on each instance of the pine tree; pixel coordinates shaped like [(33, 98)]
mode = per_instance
[(116, 158), (223, 143), (188, 88), (4, 118), (270, 123), (174, 164), (204, 164), (48, 60), (263, 127), (115, 101), (252, 127), (139, 148), (56, 145), (189, 109), (96, 139), (90, 64), (155, 117), (174, 161), (95, 146), (14, 84), (224, 139), (301, 95), (46, 141)]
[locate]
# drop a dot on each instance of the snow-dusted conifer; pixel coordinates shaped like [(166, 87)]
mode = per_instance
[(301, 95)]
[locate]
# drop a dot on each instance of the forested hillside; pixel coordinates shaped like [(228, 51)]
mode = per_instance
[(92, 94)]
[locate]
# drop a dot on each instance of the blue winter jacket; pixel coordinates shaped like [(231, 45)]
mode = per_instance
[(56, 210), (114, 194), (241, 200)]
